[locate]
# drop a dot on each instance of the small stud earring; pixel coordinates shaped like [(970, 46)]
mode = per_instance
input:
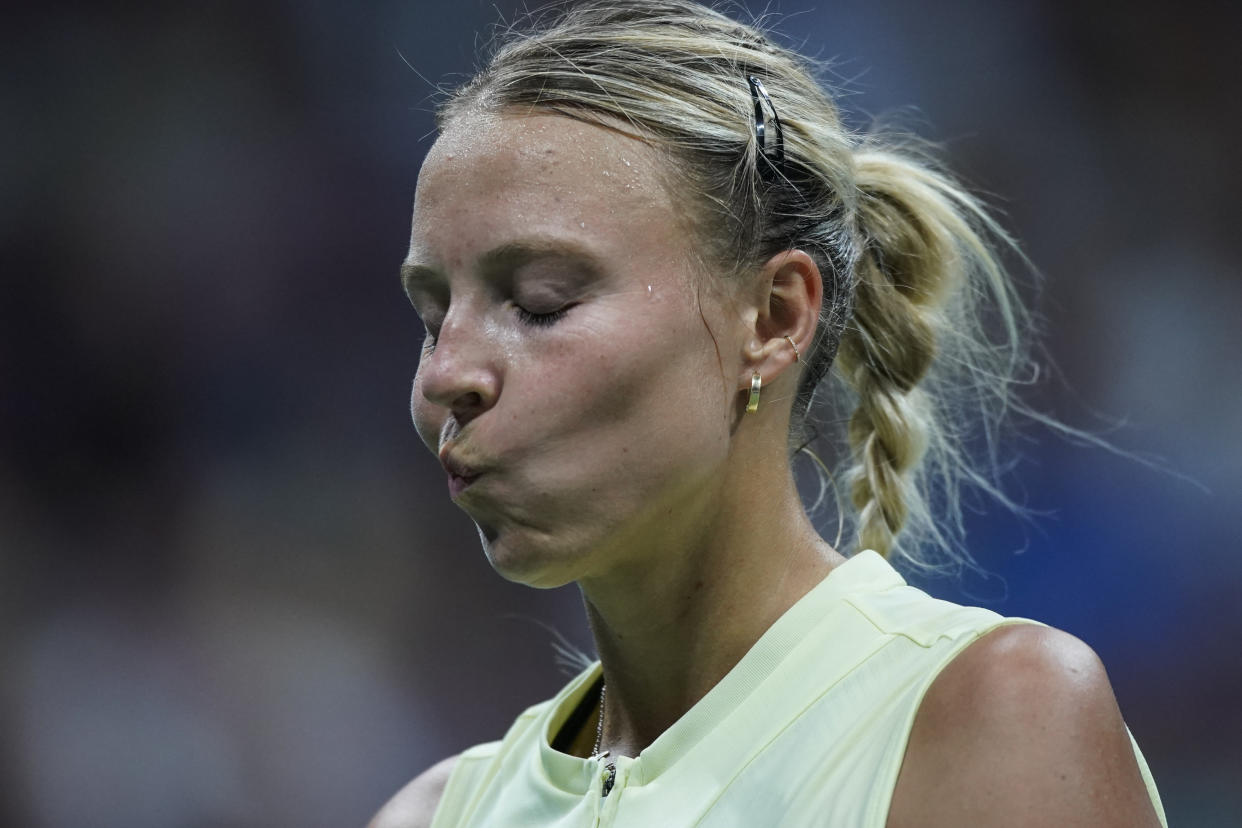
[(756, 382)]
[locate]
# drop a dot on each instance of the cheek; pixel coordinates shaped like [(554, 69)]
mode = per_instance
[(656, 402)]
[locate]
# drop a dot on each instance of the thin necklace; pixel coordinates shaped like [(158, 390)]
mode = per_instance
[(599, 728)]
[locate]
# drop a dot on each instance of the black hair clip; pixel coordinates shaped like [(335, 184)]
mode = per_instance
[(757, 91)]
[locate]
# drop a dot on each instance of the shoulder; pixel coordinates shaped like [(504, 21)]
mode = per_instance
[(415, 804), (1021, 728), (1012, 666)]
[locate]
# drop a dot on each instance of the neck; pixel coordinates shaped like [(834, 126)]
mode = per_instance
[(669, 627)]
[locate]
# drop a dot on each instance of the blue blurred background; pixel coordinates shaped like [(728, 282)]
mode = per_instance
[(234, 592)]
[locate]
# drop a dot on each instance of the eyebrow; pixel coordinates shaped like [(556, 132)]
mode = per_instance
[(510, 256)]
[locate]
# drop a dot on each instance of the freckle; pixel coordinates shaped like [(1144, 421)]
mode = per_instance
[(699, 585)]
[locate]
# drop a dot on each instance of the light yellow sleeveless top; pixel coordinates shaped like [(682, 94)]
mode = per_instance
[(809, 728)]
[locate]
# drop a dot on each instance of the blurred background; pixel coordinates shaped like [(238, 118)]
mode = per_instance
[(233, 591)]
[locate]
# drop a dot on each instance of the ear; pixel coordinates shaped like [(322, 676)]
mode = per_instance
[(785, 303)]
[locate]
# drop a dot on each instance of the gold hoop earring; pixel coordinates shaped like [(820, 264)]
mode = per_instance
[(797, 353), (756, 382)]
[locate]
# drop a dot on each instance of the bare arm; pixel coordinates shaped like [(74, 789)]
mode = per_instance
[(415, 804), (1021, 729)]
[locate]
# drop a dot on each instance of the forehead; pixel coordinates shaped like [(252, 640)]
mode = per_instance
[(491, 176)]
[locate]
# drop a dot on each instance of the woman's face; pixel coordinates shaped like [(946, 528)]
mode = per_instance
[(569, 377)]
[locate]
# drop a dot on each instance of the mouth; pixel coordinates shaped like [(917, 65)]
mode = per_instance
[(458, 484), (460, 476)]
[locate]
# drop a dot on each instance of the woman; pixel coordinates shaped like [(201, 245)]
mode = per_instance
[(641, 243)]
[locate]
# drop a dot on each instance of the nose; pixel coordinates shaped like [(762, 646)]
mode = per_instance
[(460, 373)]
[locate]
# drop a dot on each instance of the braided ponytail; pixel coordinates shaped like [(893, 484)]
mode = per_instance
[(916, 348)]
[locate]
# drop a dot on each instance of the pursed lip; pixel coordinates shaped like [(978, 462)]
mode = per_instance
[(460, 474)]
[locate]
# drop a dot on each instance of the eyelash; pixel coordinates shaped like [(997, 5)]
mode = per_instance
[(539, 320), (542, 320)]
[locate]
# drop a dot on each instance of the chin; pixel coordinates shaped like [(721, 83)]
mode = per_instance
[(524, 561)]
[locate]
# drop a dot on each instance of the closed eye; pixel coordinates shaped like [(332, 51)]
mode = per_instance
[(541, 319)]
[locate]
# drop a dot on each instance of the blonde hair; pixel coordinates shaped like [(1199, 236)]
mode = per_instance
[(910, 273)]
